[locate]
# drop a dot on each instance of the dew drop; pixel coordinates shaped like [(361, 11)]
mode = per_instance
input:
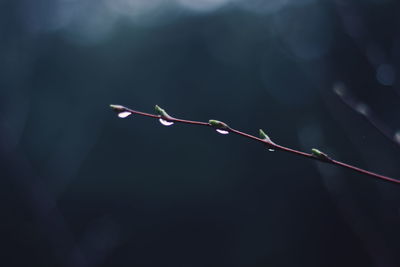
[(165, 122), (271, 150), (124, 114), (222, 131)]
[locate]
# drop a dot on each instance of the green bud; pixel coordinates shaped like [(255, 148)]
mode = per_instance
[(264, 136), (161, 112), (218, 124), (318, 154), (117, 108)]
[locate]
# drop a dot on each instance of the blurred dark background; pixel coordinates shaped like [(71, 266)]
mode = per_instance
[(81, 187)]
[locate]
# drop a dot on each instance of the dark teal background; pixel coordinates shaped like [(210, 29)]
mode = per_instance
[(81, 187)]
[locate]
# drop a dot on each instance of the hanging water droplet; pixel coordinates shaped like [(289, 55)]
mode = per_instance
[(124, 114), (222, 131), (271, 150), (165, 122)]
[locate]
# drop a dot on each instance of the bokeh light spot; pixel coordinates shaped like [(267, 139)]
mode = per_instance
[(385, 74)]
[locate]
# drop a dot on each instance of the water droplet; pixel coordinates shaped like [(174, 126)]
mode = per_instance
[(271, 150), (165, 123), (124, 114), (222, 131)]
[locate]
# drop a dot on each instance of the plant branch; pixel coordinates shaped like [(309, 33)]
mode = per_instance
[(223, 128)]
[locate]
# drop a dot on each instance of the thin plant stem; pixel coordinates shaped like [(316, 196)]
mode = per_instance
[(364, 110), (316, 155)]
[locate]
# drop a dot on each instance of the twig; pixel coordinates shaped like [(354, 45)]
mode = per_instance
[(223, 128)]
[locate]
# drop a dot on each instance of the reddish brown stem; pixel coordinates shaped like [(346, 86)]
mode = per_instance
[(270, 144)]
